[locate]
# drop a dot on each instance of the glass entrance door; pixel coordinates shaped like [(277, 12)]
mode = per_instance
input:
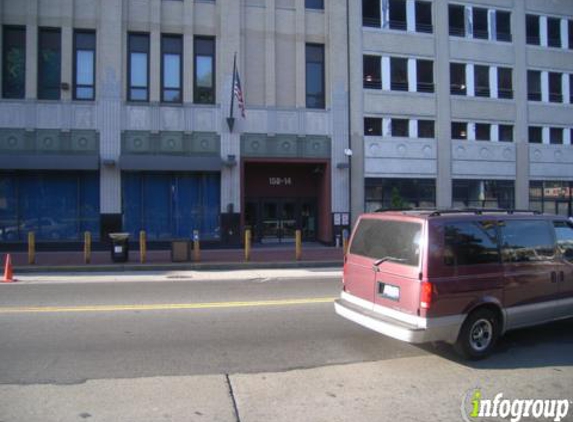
[(279, 221)]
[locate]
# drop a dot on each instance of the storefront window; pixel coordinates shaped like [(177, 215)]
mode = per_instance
[(400, 193), (484, 194), (553, 197)]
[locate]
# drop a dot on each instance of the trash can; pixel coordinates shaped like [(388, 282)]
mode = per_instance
[(119, 247)]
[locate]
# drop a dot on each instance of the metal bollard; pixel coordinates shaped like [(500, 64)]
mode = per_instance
[(87, 247), (31, 248), (142, 246), (298, 245), (196, 246), (247, 245)]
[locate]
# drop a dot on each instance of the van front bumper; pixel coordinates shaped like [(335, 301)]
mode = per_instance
[(424, 331)]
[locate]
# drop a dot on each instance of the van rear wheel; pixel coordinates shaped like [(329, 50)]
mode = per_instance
[(478, 334)]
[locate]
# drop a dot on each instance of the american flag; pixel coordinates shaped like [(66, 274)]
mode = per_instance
[(239, 93)]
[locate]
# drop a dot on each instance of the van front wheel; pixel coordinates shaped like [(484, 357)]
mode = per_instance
[(478, 334)]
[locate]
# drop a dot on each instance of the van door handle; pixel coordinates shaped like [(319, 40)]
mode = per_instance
[(553, 277)]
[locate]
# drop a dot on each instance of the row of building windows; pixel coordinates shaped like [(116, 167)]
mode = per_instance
[(396, 14), (49, 83), (481, 80), (553, 87), (550, 135), (398, 74), (549, 31), (482, 132), (479, 23), (400, 128)]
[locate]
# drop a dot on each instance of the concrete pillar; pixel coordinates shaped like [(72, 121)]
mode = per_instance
[(386, 127), (270, 55), (386, 73), (567, 136), (491, 25), (545, 86), (411, 15), (471, 131), (413, 128), (32, 49), (565, 87), (188, 61), (67, 48), (470, 80), (564, 34), (300, 68), (493, 82), (412, 75), (494, 133), (543, 31), (155, 51)]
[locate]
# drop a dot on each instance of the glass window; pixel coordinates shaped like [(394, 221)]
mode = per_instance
[(171, 68), (372, 126), (138, 63), (398, 74), (471, 243), (571, 89), (502, 25), (532, 29), (564, 235), (49, 63), (404, 247), (534, 85), (535, 134), (456, 19), (483, 194), (371, 13), (400, 128), (458, 79), (552, 197), (555, 88), (570, 28), (554, 32), (504, 82), (426, 129), (315, 97), (204, 81), (372, 72), (459, 130), (14, 62), (480, 23), (314, 4), (481, 81), (505, 133), (397, 14), (425, 75), (526, 241), (424, 17), (483, 131), (84, 65), (399, 193), (556, 136)]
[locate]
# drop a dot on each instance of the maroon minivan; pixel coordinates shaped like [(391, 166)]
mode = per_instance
[(463, 277)]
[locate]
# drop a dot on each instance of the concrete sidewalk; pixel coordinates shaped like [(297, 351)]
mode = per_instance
[(278, 257), (418, 389)]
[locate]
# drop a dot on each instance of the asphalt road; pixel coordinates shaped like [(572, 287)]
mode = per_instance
[(176, 328)]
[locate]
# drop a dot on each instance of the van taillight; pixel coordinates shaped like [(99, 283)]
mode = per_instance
[(425, 295)]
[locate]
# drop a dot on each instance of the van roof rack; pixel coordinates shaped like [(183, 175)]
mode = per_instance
[(481, 211)]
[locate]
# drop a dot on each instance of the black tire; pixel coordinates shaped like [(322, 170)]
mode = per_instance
[(478, 335)]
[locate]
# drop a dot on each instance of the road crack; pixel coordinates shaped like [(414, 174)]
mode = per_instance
[(232, 394)]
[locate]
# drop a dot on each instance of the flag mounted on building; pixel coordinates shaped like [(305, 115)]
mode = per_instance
[(236, 92)]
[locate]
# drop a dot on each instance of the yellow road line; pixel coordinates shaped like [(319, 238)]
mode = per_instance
[(163, 306)]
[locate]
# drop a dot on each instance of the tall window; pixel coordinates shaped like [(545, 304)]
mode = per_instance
[(535, 134), (502, 25), (556, 136), (315, 76), (204, 81), (456, 18), (426, 129), (483, 131), (400, 128), (398, 74), (480, 23), (571, 88), (371, 13), (314, 4), (505, 133), (397, 14), (372, 72), (554, 32), (555, 88), (14, 62), (171, 68), (532, 29), (84, 65), (372, 126), (534, 85), (483, 193), (504, 83), (138, 64), (570, 29), (425, 75), (424, 17), (49, 63), (459, 130), (458, 79), (481, 81)]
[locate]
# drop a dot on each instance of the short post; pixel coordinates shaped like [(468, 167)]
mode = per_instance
[(87, 247), (247, 245), (298, 245), (196, 246), (31, 248), (345, 235), (142, 246)]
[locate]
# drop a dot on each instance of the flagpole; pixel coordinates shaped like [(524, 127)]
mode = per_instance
[(231, 119)]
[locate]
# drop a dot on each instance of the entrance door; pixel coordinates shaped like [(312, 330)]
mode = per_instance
[(279, 221), (562, 208)]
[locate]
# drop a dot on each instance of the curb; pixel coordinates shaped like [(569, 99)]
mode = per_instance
[(207, 266)]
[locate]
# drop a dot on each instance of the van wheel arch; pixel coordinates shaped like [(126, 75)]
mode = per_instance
[(480, 331)]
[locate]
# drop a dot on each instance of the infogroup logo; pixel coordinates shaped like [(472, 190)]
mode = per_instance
[(476, 407)]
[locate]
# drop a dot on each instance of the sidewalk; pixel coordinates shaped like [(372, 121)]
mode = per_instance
[(276, 257)]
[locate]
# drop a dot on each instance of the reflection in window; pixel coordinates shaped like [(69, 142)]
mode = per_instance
[(564, 234), (399, 193), (171, 48), (14, 62), (49, 63), (483, 194), (84, 62), (526, 241), (471, 243), (204, 82), (138, 45), (315, 97)]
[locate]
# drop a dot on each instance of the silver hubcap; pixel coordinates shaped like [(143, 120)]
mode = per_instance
[(481, 334)]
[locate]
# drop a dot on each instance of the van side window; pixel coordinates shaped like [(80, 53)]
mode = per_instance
[(564, 234), (471, 243), (524, 241), (379, 239)]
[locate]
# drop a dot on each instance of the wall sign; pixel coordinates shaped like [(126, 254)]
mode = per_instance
[(280, 181)]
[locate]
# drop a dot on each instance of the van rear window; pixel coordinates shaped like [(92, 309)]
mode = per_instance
[(398, 241)]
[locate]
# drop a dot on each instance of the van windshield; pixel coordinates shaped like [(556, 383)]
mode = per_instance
[(379, 239)]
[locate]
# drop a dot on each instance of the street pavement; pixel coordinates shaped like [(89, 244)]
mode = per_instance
[(239, 346)]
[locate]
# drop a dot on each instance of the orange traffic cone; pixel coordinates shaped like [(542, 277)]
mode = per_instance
[(8, 273)]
